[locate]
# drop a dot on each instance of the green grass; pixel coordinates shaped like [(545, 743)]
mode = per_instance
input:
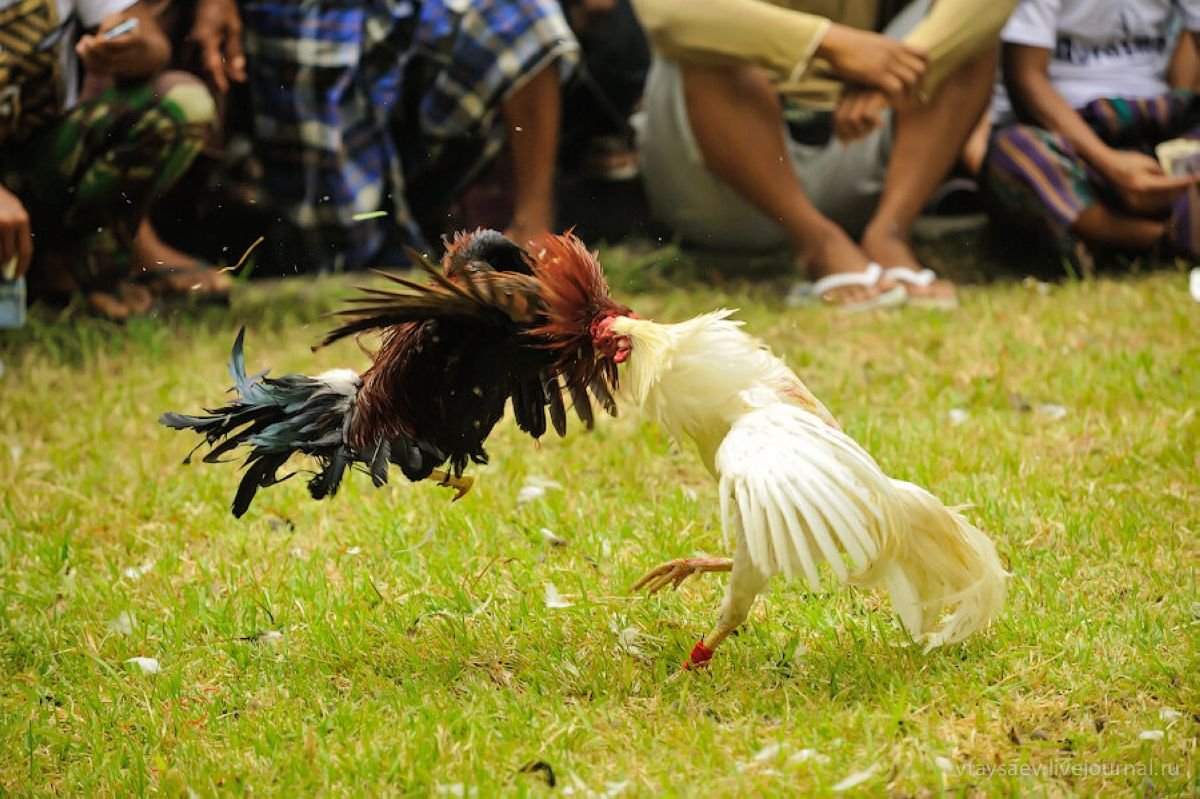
[(418, 656)]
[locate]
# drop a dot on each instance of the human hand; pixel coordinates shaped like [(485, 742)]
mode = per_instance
[(217, 30), (873, 60), (16, 240), (1140, 181), (138, 53), (859, 111)]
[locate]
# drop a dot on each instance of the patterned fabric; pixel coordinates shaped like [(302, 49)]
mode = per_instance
[(1033, 173), (359, 103), (31, 80), (89, 179)]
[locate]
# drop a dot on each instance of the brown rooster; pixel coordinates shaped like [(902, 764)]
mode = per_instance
[(494, 323)]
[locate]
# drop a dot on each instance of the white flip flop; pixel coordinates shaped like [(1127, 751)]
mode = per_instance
[(907, 276), (867, 278)]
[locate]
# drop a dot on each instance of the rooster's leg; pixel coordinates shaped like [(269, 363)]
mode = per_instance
[(462, 484), (674, 572), (745, 582)]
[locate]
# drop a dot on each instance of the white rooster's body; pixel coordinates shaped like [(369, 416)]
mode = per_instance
[(795, 491)]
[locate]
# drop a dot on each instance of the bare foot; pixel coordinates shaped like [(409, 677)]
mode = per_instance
[(832, 253), (121, 304), (172, 272), (107, 306), (137, 299), (890, 250)]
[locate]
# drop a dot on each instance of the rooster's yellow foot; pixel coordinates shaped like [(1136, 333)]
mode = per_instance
[(462, 484), (674, 572)]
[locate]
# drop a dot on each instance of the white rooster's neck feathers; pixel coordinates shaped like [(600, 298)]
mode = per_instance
[(696, 377)]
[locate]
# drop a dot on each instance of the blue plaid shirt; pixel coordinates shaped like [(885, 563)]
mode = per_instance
[(333, 81)]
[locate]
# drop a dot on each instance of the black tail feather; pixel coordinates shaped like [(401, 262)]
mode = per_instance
[(379, 464), (583, 406), (558, 410), (275, 418), (262, 473)]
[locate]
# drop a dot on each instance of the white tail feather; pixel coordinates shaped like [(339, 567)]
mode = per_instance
[(944, 562), (805, 493)]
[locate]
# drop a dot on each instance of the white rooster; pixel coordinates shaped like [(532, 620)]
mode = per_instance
[(795, 490)]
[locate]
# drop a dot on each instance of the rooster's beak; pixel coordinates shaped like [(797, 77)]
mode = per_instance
[(622, 350), (609, 344)]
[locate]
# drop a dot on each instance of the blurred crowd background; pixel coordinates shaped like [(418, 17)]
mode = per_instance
[(145, 145)]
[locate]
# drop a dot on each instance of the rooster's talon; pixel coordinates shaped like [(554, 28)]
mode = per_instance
[(674, 572), (461, 484)]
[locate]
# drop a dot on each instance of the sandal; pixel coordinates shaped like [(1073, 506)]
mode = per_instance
[(924, 278), (867, 278), (198, 281)]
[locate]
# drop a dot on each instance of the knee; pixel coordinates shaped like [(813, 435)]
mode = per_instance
[(740, 84), (187, 96)]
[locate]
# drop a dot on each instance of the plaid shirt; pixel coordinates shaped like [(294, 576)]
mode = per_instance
[(349, 97)]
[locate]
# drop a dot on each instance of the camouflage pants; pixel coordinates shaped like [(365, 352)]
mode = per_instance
[(89, 179)]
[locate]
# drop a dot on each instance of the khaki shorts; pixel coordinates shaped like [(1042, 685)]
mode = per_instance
[(843, 181)]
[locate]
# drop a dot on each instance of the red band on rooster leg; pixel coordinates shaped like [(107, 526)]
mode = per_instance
[(700, 656)]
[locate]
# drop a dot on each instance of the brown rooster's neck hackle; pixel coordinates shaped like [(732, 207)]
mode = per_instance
[(574, 291), (458, 242), (575, 298)]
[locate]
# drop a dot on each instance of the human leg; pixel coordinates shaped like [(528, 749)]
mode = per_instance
[(96, 173), (1030, 171), (1140, 124), (927, 140), (533, 114), (752, 159)]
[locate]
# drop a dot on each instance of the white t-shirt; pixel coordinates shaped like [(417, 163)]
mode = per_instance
[(1100, 48)]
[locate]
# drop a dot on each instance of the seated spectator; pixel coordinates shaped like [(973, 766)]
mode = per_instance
[(77, 178), (205, 37), (722, 171), (368, 107), (596, 185), (1090, 81)]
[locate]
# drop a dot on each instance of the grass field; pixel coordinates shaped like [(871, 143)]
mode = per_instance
[(390, 642)]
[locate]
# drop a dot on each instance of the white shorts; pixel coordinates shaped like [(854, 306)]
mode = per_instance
[(843, 181)]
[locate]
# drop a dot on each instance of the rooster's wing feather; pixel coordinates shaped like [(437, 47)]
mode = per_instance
[(477, 293), (457, 348)]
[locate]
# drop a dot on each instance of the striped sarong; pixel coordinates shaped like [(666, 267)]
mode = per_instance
[(1031, 174)]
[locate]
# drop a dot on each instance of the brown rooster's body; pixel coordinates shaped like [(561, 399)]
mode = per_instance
[(443, 381), (494, 324)]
